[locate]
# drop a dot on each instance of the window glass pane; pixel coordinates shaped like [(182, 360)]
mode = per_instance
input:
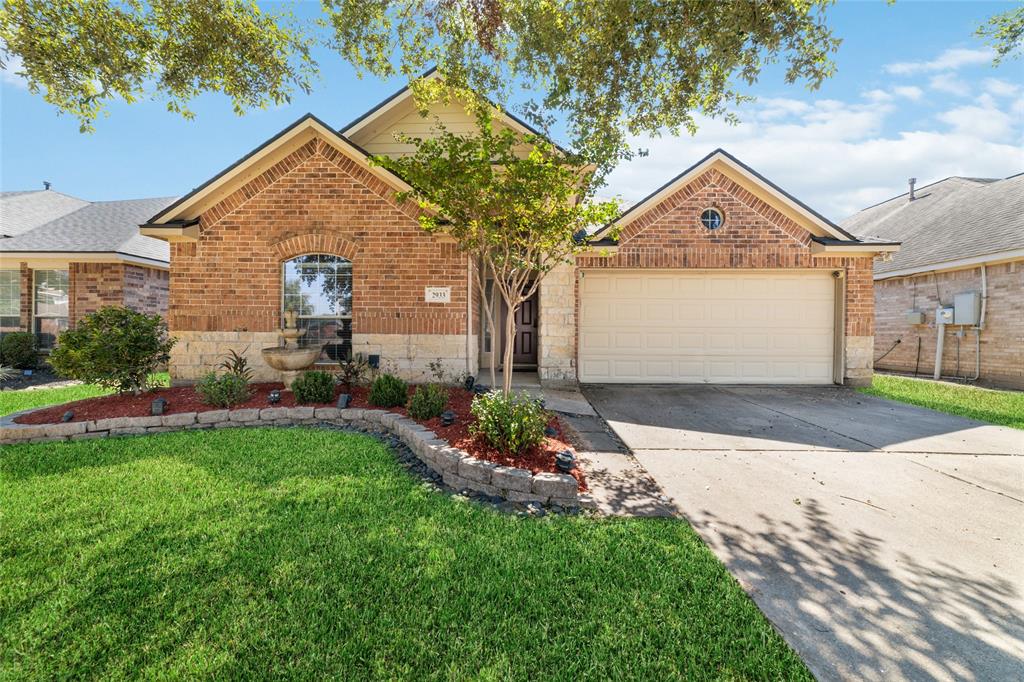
[(10, 299), (51, 293), (318, 288), (48, 329)]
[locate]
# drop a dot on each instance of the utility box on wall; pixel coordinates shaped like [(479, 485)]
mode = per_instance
[(943, 316), (915, 317), (967, 308)]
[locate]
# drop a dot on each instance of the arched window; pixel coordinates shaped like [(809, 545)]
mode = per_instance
[(318, 288)]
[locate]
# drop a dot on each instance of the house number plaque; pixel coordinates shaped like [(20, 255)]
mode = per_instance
[(437, 294)]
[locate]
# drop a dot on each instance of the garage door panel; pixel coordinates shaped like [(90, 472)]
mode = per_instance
[(716, 327)]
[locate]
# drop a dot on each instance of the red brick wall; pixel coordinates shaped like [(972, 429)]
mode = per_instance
[(1002, 339), (92, 286), (145, 289), (754, 236), (26, 297), (316, 200)]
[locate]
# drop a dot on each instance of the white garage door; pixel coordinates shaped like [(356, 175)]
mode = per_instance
[(706, 327)]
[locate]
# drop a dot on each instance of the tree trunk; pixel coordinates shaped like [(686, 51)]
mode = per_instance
[(510, 335)]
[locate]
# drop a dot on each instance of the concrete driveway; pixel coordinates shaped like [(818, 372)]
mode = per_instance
[(883, 540)]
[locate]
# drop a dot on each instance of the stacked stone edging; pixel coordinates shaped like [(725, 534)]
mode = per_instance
[(456, 467)]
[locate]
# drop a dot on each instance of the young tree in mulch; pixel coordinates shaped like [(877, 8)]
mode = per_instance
[(515, 202)]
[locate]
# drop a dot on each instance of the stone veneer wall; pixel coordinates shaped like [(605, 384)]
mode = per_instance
[(1002, 339), (317, 200), (406, 355), (556, 361), (457, 468)]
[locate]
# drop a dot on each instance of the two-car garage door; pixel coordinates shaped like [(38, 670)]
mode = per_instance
[(758, 327)]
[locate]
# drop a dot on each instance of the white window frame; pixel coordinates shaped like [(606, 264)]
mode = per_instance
[(17, 294), (35, 302), (284, 274)]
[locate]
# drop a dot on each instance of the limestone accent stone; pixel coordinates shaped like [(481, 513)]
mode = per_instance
[(554, 485), (460, 483), (123, 422), (196, 353), (859, 360), (556, 357), (273, 413), (511, 478), (21, 432), (408, 356), (182, 419), (212, 416), (327, 413), (448, 459)]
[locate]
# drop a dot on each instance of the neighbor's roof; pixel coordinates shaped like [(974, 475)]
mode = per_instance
[(97, 227), (951, 220), (27, 210)]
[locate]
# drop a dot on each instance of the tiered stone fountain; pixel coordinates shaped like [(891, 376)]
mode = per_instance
[(291, 358)]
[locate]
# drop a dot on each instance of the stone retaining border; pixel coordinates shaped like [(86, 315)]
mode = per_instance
[(457, 468)]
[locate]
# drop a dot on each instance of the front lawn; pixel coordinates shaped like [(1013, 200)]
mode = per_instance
[(27, 399), (985, 404), (307, 553)]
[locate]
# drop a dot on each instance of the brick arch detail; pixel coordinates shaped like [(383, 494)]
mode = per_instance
[(315, 242)]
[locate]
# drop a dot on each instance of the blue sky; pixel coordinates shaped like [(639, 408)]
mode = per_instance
[(915, 95)]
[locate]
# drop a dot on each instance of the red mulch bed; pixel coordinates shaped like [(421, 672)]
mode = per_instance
[(185, 399)]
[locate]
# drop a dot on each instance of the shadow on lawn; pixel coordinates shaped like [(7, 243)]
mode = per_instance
[(835, 599)]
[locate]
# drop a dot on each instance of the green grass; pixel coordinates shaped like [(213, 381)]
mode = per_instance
[(27, 399), (255, 553), (988, 405)]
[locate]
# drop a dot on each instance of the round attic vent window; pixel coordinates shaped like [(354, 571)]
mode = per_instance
[(711, 218)]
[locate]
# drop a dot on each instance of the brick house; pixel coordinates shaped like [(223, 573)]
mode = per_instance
[(62, 257), (963, 253), (719, 276)]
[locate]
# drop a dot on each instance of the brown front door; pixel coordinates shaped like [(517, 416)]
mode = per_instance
[(524, 352)]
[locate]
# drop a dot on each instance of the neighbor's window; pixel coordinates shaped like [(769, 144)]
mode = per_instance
[(10, 300), (711, 218), (318, 288), (51, 305)]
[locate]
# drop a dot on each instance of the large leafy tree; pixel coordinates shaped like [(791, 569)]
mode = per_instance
[(516, 203), (1005, 33), (83, 54)]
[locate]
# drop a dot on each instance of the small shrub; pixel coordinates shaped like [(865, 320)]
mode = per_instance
[(114, 347), (353, 370), (236, 364), (18, 349), (224, 390), (428, 401), (7, 373), (388, 390), (512, 423), (313, 387)]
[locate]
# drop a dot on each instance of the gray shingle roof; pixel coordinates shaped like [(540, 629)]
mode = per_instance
[(100, 227), (948, 220), (24, 211)]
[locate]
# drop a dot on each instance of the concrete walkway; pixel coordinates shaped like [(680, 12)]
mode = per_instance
[(884, 541)]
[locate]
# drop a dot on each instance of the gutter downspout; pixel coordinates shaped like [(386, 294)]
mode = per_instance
[(939, 343), (981, 325)]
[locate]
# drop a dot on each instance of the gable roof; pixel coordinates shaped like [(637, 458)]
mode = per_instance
[(773, 194), (404, 94), (950, 220), (102, 227), (27, 210), (304, 129)]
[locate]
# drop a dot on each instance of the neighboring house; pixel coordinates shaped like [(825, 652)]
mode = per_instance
[(62, 257), (963, 248), (717, 277)]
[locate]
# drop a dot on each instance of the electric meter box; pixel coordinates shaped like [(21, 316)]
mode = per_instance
[(944, 316), (915, 317), (967, 308)]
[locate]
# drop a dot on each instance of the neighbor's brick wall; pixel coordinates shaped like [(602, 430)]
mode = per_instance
[(145, 289), (316, 200), (1002, 339), (92, 286), (755, 235), (26, 297)]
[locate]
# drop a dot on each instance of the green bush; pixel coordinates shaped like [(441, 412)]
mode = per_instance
[(224, 390), (428, 401), (314, 387), (18, 349), (114, 347), (509, 422), (388, 391)]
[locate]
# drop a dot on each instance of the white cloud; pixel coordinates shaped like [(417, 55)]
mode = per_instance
[(999, 87), (949, 83), (911, 92), (836, 156), (9, 73), (951, 59)]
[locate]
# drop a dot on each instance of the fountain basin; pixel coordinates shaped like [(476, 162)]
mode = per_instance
[(289, 361)]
